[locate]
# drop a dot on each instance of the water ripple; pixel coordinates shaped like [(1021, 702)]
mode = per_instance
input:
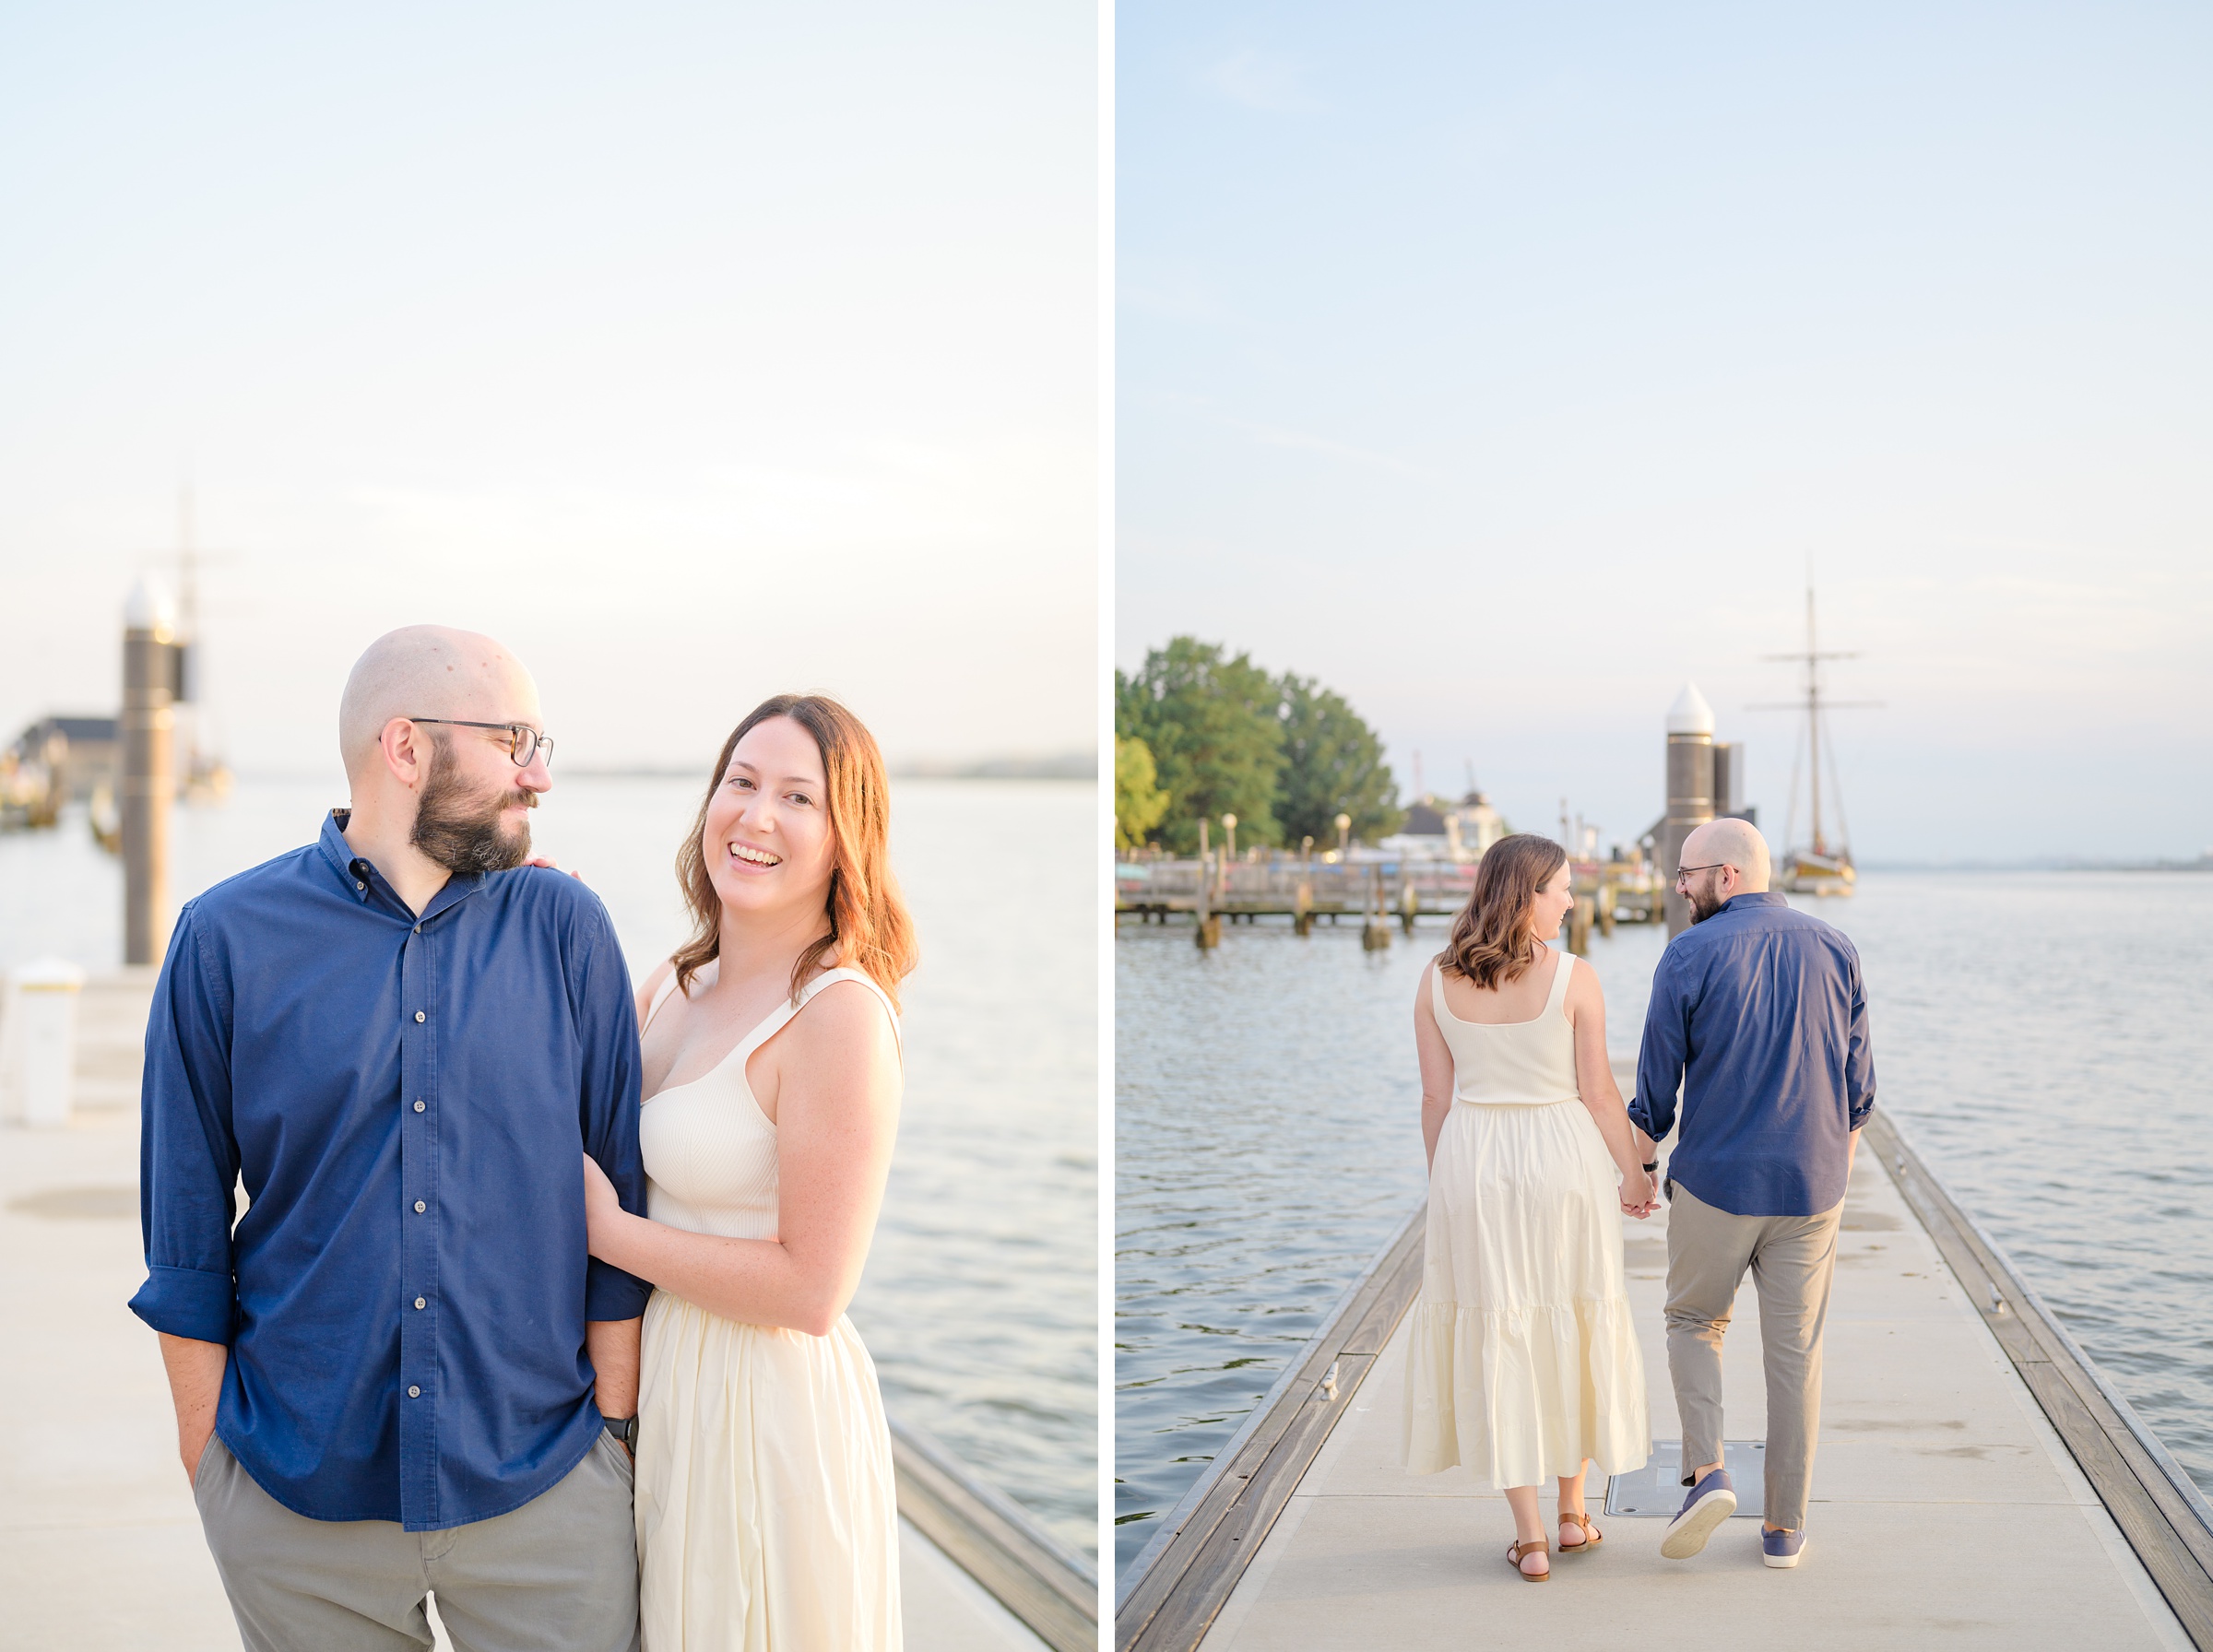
[(2042, 1037)]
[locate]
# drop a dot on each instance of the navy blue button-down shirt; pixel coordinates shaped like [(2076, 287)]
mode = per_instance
[(1759, 1016), (407, 1101)]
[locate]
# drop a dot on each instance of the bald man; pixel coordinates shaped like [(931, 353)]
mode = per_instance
[(401, 1373), (1759, 1018)]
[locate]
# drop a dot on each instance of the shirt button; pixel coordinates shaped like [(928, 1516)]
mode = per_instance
[(361, 886), (418, 1015), (421, 1207), (419, 1106), (414, 1393), (421, 1303)]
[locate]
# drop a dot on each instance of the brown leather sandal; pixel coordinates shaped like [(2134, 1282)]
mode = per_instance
[(1514, 1552), (1593, 1537)]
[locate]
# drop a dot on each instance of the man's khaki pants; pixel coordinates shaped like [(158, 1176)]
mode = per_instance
[(1792, 1259), (558, 1574)]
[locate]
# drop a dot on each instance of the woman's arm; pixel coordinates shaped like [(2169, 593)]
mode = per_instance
[(1594, 1082), (836, 1096), (1435, 1056)]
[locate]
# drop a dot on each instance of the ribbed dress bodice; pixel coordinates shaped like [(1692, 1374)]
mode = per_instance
[(1519, 1064), (710, 1153)]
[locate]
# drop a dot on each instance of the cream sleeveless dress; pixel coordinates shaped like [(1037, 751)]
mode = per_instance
[(765, 1511), (1523, 1358)]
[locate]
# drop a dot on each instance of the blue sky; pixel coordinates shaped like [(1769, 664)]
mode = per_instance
[(1505, 367), (699, 351)]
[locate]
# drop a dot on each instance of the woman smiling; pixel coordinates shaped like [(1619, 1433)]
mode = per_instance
[(766, 1508)]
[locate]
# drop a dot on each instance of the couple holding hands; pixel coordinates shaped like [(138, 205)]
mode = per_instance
[(537, 1302), (1524, 1364)]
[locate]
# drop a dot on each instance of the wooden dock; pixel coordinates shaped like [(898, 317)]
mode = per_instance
[(1371, 891), (1978, 1484), (99, 1543)]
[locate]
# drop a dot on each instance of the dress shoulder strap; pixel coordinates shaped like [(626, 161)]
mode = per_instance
[(867, 980), (661, 995), (1556, 999)]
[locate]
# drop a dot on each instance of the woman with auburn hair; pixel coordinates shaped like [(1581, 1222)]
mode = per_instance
[(1524, 1364), (766, 1515)]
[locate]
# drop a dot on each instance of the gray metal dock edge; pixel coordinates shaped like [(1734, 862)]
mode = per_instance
[(2158, 1509), (1050, 1587), (1170, 1594)]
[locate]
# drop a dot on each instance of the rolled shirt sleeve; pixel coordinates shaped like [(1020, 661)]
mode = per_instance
[(607, 1109), (1662, 1055), (1859, 1054), (187, 1153)]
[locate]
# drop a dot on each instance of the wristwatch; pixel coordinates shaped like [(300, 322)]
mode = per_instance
[(1653, 1168), (625, 1429)]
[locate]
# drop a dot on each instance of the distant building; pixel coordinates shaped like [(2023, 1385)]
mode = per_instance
[(1438, 829), (80, 753)]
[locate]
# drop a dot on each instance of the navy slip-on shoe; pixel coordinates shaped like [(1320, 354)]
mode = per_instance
[(1711, 1501), (1782, 1548)]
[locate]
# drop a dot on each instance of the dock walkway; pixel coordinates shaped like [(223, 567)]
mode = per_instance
[(101, 1548), (1947, 1511)]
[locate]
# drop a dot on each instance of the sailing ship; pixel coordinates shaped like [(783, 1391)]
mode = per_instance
[(1819, 864)]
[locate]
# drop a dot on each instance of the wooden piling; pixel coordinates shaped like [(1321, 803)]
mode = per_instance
[(1374, 934)]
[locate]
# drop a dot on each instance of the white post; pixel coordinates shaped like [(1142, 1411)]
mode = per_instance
[(41, 1014)]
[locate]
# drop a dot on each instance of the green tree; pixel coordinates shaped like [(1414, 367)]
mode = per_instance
[(1333, 765), (1138, 803), (1215, 735)]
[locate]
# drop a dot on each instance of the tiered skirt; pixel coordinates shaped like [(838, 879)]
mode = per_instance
[(1523, 1360)]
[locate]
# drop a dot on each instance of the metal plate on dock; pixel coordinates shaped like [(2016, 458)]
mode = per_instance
[(1655, 1491)]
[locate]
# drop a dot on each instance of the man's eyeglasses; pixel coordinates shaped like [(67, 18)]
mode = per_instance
[(1683, 872), (524, 742)]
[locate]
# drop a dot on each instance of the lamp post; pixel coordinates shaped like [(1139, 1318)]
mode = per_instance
[(1345, 827), (1229, 827)]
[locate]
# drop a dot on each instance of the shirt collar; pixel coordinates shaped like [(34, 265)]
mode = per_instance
[(1765, 897), (363, 880)]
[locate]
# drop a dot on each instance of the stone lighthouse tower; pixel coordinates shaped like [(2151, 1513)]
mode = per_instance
[(1689, 792)]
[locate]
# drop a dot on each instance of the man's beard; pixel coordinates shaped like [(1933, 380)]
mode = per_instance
[(1704, 903), (461, 829)]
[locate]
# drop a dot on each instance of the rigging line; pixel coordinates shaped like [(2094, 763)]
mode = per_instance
[(1835, 792), (1790, 829)]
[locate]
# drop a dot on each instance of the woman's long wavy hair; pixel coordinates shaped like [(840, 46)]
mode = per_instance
[(869, 928), (1494, 938)]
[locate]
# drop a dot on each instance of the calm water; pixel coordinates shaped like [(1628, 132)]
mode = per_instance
[(2045, 1038), (978, 1303)]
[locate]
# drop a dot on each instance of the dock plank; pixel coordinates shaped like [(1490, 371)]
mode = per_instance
[(1949, 1508)]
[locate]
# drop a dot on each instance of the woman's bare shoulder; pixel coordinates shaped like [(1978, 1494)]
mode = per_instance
[(1583, 990), (843, 1012)]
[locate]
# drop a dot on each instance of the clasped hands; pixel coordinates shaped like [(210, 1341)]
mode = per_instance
[(1640, 1196)]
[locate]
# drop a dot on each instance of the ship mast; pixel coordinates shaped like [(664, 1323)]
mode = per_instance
[(1811, 657), (1813, 720)]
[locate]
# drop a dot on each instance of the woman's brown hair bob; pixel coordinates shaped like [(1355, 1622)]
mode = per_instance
[(869, 928), (1495, 938)]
